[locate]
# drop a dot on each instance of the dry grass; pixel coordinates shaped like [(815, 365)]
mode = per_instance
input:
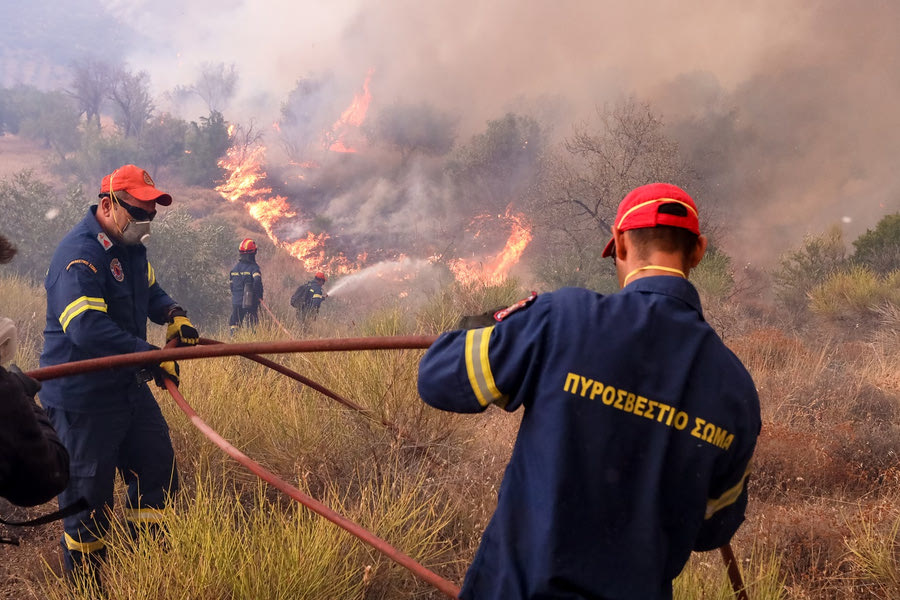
[(822, 521)]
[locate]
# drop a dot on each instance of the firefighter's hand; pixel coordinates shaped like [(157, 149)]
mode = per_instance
[(29, 386), (166, 370), (182, 329)]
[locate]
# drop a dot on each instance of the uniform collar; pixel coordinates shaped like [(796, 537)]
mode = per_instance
[(670, 285)]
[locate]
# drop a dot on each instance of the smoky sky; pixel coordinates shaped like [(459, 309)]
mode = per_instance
[(788, 107)]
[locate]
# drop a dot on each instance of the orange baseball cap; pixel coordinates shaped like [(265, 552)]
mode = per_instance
[(640, 208), (135, 181)]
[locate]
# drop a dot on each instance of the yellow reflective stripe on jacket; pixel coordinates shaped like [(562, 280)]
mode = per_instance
[(713, 505), (144, 515), (151, 275), (83, 547), (78, 306), (478, 367)]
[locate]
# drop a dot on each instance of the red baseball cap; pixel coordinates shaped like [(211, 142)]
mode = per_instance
[(136, 182), (640, 209)]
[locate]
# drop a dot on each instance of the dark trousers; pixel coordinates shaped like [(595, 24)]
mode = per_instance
[(132, 439), (238, 313)]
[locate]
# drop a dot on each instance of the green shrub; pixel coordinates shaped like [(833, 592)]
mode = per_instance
[(879, 248), (713, 277), (35, 218), (191, 264), (802, 269), (852, 294)]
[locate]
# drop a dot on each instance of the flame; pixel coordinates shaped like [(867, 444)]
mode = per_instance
[(246, 181), (494, 270), (351, 119), (244, 167)]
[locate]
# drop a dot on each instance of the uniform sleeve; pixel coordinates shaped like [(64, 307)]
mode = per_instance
[(727, 503), (257, 284), (467, 370), (34, 465), (160, 302), (76, 299)]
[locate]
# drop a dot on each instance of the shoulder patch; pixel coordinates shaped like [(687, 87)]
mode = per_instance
[(81, 261), (104, 241), (116, 267), (523, 303)]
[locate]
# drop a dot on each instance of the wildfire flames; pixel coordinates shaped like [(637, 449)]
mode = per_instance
[(351, 119), (492, 271), (246, 181)]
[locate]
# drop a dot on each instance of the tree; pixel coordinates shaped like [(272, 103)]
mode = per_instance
[(410, 128), (497, 166), (215, 84), (91, 82), (54, 119), (579, 186), (206, 143), (162, 141), (130, 93), (306, 114), (879, 248)]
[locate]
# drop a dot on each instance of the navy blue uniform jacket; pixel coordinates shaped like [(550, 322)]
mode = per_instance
[(634, 447), (246, 271), (99, 296)]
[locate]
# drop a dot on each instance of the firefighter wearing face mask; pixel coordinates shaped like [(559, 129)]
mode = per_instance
[(101, 290)]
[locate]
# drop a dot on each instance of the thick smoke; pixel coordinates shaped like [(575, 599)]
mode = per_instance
[(787, 108)]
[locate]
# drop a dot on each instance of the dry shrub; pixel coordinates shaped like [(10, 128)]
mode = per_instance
[(768, 349), (809, 536)]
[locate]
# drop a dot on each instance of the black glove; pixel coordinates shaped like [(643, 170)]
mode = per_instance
[(29, 386), (166, 370), (485, 319)]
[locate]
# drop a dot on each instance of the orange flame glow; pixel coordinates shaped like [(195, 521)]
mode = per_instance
[(494, 270), (351, 119), (246, 181)]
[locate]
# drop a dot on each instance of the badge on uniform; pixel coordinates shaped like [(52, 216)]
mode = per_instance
[(104, 240), (502, 314), (116, 267)]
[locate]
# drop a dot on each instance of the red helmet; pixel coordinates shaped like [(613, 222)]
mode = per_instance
[(321, 275), (248, 246)]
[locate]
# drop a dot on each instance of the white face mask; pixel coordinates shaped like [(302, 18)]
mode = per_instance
[(134, 232)]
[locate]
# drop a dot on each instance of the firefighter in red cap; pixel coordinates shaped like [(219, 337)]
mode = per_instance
[(308, 298), (246, 287), (638, 429), (101, 290)]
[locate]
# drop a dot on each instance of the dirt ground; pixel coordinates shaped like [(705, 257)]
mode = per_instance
[(24, 565), (18, 153)]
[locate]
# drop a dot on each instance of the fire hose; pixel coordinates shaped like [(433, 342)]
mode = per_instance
[(251, 350)]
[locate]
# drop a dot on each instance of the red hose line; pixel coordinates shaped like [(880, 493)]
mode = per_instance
[(448, 588), (274, 318), (154, 357), (734, 572)]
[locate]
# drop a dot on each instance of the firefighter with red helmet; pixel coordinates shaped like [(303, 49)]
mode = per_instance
[(246, 287), (308, 298)]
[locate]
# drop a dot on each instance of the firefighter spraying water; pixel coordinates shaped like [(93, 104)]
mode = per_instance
[(307, 299)]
